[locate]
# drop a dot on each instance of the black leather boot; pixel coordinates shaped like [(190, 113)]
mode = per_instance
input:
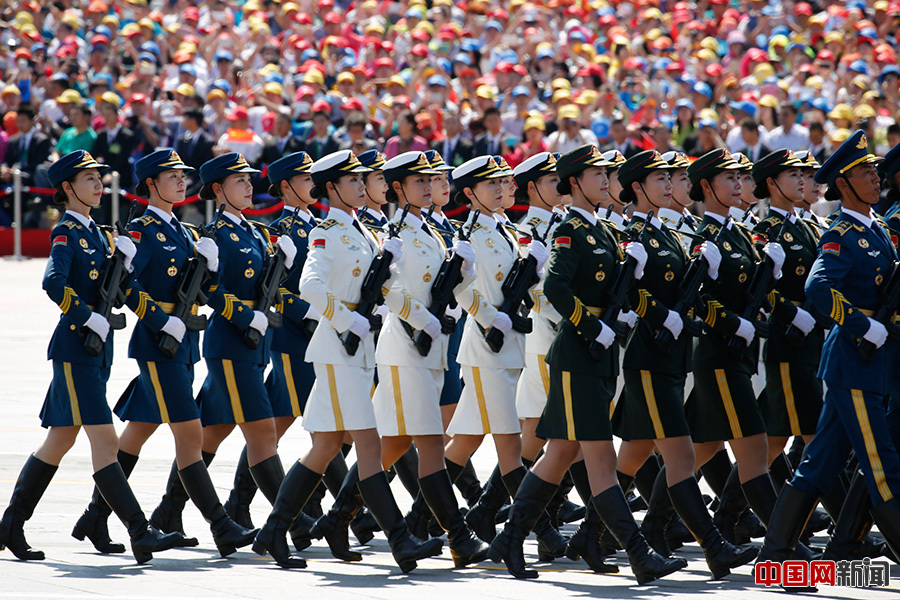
[(465, 548), (33, 480), (481, 518), (297, 487), (659, 513), (848, 541), (268, 475), (363, 526), (93, 523), (227, 534), (781, 472), (333, 525), (376, 491), (529, 505), (145, 540), (786, 523), (418, 516), (721, 556), (238, 503), (167, 515), (887, 517), (716, 472), (646, 477), (551, 543), (466, 482), (585, 543), (731, 504), (561, 509), (301, 529), (646, 564), (761, 496), (407, 468)]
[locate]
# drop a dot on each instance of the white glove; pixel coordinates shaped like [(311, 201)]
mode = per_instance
[(877, 333), (774, 251), (99, 325), (629, 318), (674, 324), (260, 322), (382, 311), (360, 326), (207, 248), (175, 327), (312, 313), (464, 250), (713, 257), (286, 245), (124, 245), (746, 330), (502, 322), (638, 253), (803, 321), (607, 335), (433, 327), (455, 312), (395, 247), (539, 251)]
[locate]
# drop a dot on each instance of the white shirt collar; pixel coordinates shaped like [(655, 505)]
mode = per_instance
[(541, 213), (411, 220), (719, 218), (668, 215), (237, 220), (643, 216), (166, 218), (111, 133), (502, 218), (591, 217), (617, 219), (783, 213), (305, 215), (867, 221), (86, 221), (487, 221), (339, 215)]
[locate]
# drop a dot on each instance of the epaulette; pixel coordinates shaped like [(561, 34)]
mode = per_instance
[(476, 226), (70, 224), (260, 226), (638, 226), (576, 222), (224, 223), (148, 220), (534, 222), (841, 227), (371, 226), (456, 223), (772, 221), (712, 228), (406, 226), (327, 224)]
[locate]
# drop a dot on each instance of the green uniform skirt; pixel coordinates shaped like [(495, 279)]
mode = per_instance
[(577, 407), (722, 406), (793, 399), (651, 407)]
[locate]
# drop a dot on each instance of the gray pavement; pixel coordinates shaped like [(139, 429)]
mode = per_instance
[(74, 571)]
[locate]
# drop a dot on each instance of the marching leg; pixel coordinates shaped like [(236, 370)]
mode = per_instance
[(93, 523), (33, 480), (238, 504)]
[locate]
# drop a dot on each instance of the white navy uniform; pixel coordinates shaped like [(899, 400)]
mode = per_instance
[(534, 384), (407, 398), (340, 252), (488, 400)]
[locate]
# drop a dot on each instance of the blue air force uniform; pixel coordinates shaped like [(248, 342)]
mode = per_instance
[(855, 255)]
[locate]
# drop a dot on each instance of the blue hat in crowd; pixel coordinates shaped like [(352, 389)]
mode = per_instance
[(373, 159), (164, 159), (891, 163), (519, 90), (222, 166), (71, 165), (854, 151), (287, 167)]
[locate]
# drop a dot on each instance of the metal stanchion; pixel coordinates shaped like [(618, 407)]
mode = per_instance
[(210, 210), (17, 214), (114, 195)]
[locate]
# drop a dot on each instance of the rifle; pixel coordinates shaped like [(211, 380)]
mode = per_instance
[(688, 293), (618, 294), (110, 291), (370, 292), (190, 292), (273, 275), (757, 293), (890, 303), (448, 277), (520, 279)]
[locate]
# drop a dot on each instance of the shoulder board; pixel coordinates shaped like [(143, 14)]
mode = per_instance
[(456, 223), (772, 221), (371, 226), (534, 221), (710, 230), (224, 223), (637, 226), (841, 227), (576, 222), (70, 224), (148, 220), (405, 227), (327, 224)]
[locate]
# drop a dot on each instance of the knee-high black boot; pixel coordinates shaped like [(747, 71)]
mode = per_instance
[(295, 490), (437, 491), (716, 472), (167, 515), (646, 477), (659, 513), (145, 540), (468, 485), (301, 529), (849, 540), (796, 452), (561, 509), (762, 499), (334, 524), (551, 543), (268, 475), (887, 517), (33, 480), (731, 504), (376, 492), (646, 564), (781, 472), (721, 556), (585, 542), (528, 506), (785, 524), (93, 523), (227, 534), (482, 517), (238, 503), (407, 468)]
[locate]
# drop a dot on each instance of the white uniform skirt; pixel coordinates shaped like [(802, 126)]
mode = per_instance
[(487, 403), (407, 401), (340, 399), (534, 385)]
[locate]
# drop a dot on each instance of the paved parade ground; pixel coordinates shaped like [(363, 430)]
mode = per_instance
[(73, 570)]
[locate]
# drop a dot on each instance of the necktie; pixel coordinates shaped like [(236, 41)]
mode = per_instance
[(503, 235), (246, 227)]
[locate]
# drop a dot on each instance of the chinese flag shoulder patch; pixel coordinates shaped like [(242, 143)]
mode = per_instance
[(318, 243), (60, 240), (832, 248), (563, 242), (136, 236)]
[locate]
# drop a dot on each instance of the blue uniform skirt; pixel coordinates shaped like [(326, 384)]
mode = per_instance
[(77, 396), (233, 393), (289, 384), (452, 379), (162, 393)]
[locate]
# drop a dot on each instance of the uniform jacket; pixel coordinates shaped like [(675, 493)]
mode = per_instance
[(289, 339)]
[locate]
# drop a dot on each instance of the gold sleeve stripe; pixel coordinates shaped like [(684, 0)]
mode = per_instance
[(577, 313), (536, 298), (142, 304), (329, 308), (230, 299), (837, 306), (771, 297), (476, 303), (712, 310), (641, 309), (213, 288), (66, 303), (384, 291), (407, 305)]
